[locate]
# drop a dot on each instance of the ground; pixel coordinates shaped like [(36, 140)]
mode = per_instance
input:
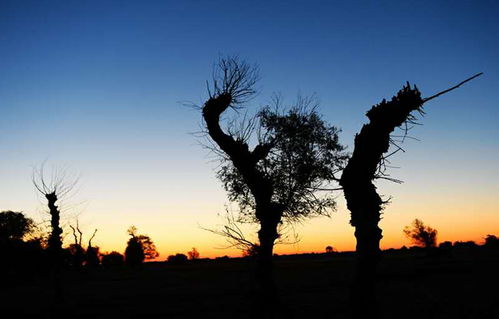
[(411, 285)]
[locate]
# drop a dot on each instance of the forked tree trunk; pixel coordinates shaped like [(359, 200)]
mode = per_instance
[(267, 213)]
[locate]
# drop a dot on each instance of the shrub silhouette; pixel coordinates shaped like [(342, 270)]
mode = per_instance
[(92, 257), (421, 235), (193, 254), (177, 259), (113, 260), (491, 241)]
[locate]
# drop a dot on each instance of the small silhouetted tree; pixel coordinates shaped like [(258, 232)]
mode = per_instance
[(139, 247), (491, 241), (134, 253), (113, 259), (92, 255), (329, 249), (14, 226), (54, 188), (193, 254), (421, 235), (18, 250), (177, 259), (76, 249), (277, 180), (366, 164)]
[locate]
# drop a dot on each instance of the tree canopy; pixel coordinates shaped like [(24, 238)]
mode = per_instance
[(304, 156), (14, 225)]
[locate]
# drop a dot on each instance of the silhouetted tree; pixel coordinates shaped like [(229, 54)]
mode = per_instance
[(76, 249), (193, 254), (278, 179), (491, 241), (421, 235), (14, 225), (139, 247), (366, 164), (92, 256), (177, 259), (54, 188), (19, 250), (113, 259), (329, 249)]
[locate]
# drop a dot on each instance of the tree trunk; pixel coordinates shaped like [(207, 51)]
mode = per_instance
[(363, 201), (55, 248), (267, 299)]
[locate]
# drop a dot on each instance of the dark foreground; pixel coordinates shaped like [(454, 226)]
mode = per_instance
[(411, 285)]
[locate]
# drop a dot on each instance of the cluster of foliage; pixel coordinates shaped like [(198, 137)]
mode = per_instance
[(305, 155), (421, 235), (139, 248)]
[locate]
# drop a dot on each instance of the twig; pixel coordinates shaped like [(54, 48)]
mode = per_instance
[(452, 88)]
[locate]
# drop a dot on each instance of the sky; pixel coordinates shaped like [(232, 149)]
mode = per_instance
[(101, 87)]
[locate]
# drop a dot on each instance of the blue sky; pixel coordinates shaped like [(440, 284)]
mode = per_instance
[(99, 86)]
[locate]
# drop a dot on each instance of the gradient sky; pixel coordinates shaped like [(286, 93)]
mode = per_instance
[(99, 86)]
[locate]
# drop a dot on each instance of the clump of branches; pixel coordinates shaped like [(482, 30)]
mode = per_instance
[(235, 79)]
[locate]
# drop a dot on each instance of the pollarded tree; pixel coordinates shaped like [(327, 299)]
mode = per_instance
[(295, 156), (55, 187), (366, 164)]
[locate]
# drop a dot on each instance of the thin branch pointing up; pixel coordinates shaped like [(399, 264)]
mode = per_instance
[(452, 88)]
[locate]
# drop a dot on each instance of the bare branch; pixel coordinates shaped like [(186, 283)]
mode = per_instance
[(452, 88)]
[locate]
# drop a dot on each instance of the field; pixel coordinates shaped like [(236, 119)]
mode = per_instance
[(411, 285)]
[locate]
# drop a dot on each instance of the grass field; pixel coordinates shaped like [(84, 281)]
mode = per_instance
[(411, 285)]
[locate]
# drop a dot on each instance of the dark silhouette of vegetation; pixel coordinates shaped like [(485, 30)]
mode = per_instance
[(329, 249), (367, 163), (193, 254), (21, 251), (139, 248), (54, 189), (251, 251), (113, 260), (177, 259), (14, 226), (79, 255), (92, 256), (421, 235), (76, 249), (491, 241), (278, 179)]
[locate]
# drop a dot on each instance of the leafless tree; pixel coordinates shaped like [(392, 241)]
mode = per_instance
[(367, 163)]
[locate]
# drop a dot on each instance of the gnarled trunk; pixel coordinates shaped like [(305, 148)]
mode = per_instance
[(363, 201)]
